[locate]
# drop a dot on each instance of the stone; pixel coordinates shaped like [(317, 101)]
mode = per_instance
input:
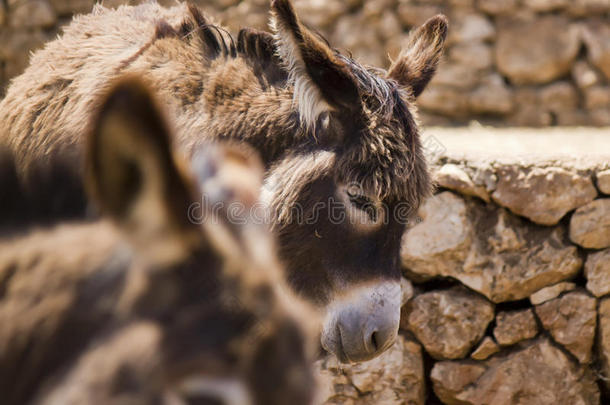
[(603, 181), (600, 117), (395, 377), (364, 46), (497, 7), (407, 290), (559, 97), (491, 97), (529, 111), (320, 13), (69, 7), (470, 27), (488, 347), (476, 55), (573, 118), (548, 293), (486, 248), (12, 45), (590, 225), (604, 340), (455, 178), (538, 51), (597, 97), (597, 272), (485, 175), (466, 4), (581, 8), (596, 35), (461, 76), (538, 374), (32, 14), (543, 195), (584, 75), (515, 326), (449, 323), (414, 15), (546, 5), (571, 319), (444, 100)]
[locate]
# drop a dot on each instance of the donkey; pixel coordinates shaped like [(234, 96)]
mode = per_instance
[(339, 141), (144, 306)]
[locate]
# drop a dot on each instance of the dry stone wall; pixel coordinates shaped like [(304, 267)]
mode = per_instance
[(508, 62), (509, 268)]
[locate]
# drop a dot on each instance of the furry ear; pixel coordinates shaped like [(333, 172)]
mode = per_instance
[(419, 59), (322, 80), (131, 173)]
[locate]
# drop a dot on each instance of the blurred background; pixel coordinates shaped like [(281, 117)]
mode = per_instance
[(532, 63)]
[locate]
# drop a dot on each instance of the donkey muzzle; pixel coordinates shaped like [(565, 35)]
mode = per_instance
[(364, 322)]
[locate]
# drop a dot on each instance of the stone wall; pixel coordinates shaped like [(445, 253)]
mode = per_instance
[(508, 62), (507, 280)]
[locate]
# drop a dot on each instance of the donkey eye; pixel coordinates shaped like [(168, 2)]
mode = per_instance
[(363, 203)]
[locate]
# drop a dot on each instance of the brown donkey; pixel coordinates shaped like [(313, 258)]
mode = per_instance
[(340, 142), (144, 306)]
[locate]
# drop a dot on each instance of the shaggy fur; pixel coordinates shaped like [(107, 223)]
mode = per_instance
[(288, 94), (109, 312)]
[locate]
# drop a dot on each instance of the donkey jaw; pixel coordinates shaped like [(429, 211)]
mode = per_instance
[(363, 323)]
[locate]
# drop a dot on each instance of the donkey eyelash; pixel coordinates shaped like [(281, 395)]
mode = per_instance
[(364, 204)]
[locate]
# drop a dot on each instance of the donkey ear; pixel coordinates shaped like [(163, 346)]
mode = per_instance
[(419, 59), (322, 80), (131, 173)]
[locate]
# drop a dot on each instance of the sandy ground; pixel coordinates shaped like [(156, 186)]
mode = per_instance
[(574, 147)]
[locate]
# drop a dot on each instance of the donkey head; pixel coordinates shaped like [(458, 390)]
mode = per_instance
[(342, 196), (213, 289)]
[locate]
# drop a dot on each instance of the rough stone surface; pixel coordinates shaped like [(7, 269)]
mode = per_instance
[(396, 377), (469, 27), (492, 96), (487, 348), (580, 8), (603, 181), (538, 374), (604, 339), (445, 100), (597, 272), (32, 14), (478, 81), (596, 35), (68, 7), (515, 326), (544, 195), (455, 178), (546, 5), (597, 97), (528, 61), (548, 293), (498, 7), (584, 75), (476, 55), (449, 323), (571, 319), (590, 225), (559, 98), (486, 248)]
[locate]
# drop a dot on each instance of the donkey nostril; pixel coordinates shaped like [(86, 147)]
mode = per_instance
[(375, 341)]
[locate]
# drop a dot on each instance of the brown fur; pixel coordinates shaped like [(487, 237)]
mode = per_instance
[(287, 94), (129, 308)]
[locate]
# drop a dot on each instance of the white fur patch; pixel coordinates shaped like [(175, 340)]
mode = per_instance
[(230, 391), (307, 96)]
